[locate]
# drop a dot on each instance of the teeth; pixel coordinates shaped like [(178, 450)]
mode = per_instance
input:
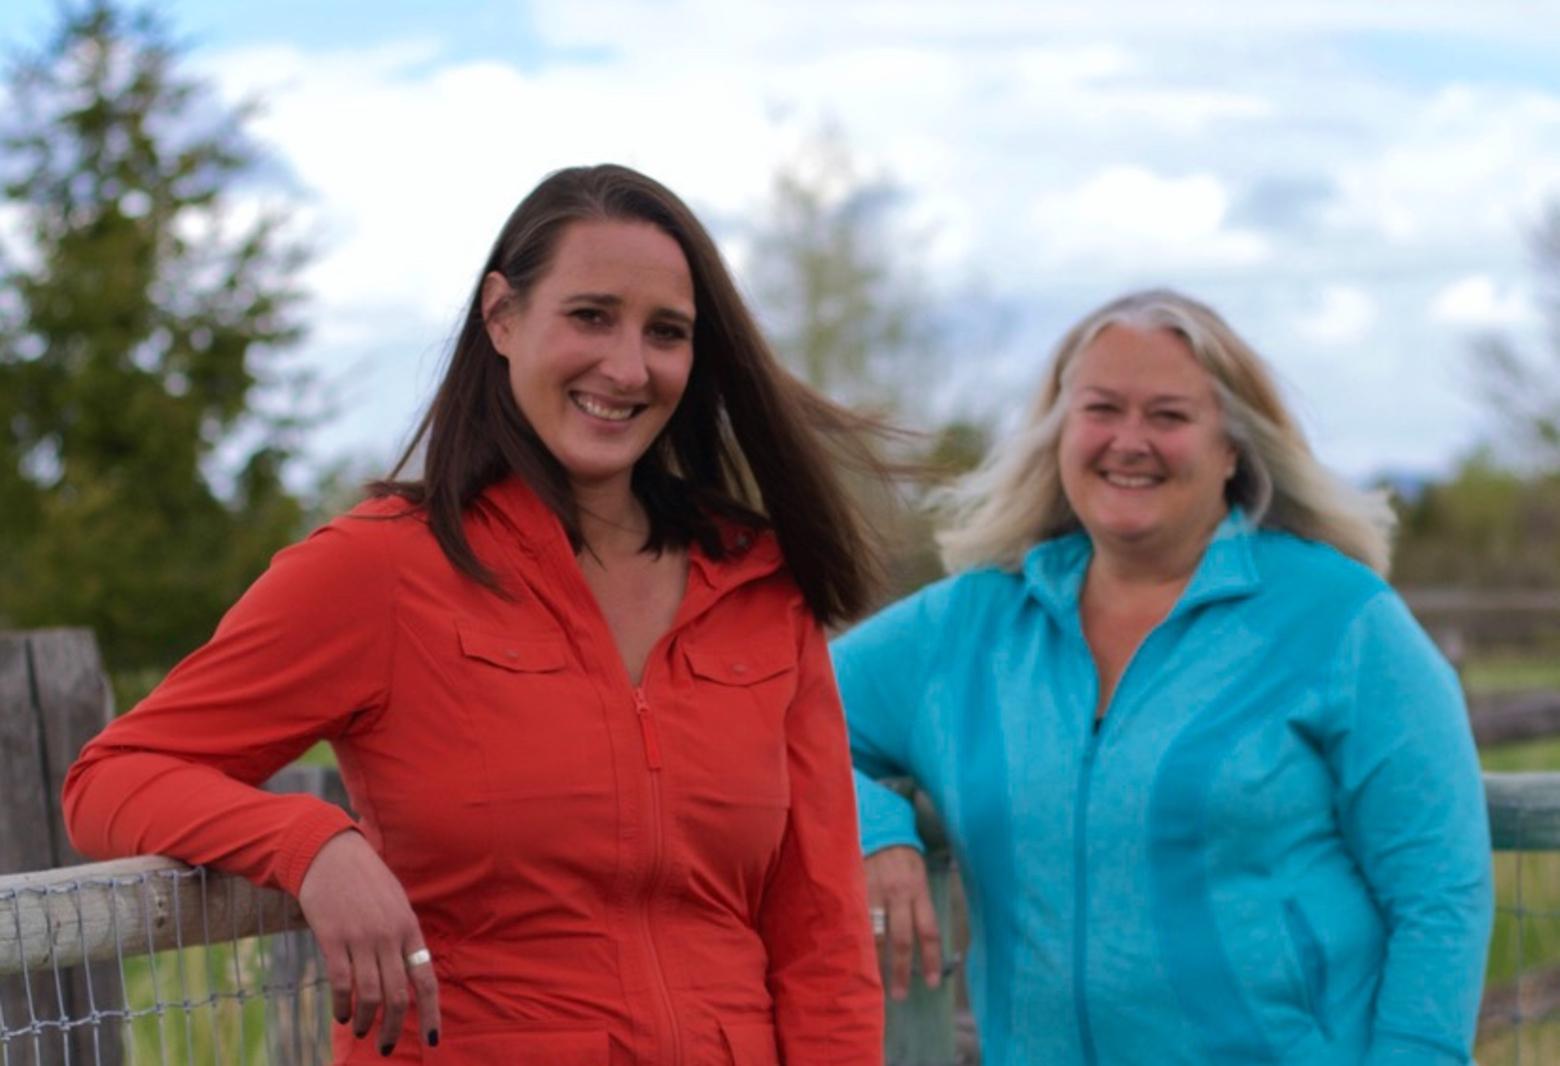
[(592, 406), (1130, 481)]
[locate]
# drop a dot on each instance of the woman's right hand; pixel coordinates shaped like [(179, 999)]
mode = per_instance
[(365, 928), (897, 886)]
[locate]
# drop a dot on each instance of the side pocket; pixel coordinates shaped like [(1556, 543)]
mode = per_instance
[(1313, 964), (751, 1043)]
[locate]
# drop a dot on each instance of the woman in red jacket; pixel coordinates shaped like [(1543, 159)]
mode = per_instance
[(575, 678)]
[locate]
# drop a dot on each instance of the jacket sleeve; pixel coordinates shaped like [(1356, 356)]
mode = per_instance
[(1412, 809), (302, 656), (823, 972), (880, 666)]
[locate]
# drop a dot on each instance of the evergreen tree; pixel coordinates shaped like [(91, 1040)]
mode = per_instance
[(140, 322)]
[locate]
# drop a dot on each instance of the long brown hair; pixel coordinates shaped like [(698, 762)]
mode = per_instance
[(748, 442)]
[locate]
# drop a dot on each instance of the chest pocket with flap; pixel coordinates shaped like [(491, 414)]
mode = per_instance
[(519, 655), (532, 717)]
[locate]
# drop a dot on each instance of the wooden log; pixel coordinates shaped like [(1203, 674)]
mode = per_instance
[(56, 919), (74, 702), (1507, 717), (1524, 811), (1453, 601), (921, 1029), (54, 697), (25, 837)]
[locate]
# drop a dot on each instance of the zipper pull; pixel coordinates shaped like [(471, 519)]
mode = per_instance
[(647, 730)]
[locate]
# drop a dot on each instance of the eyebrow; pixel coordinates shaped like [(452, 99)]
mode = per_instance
[(607, 299), (1163, 397)]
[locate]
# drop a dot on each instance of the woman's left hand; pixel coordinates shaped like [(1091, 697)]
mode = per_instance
[(897, 889)]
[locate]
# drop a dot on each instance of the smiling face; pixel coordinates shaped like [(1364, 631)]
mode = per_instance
[(1143, 452), (600, 349)]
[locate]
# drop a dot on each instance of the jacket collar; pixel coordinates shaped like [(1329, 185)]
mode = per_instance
[(750, 553), (1054, 569)]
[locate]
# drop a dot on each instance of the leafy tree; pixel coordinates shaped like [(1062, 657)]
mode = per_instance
[(1487, 527), (140, 324), (843, 311), (850, 318), (1523, 391)]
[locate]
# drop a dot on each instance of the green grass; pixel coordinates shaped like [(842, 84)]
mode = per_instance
[(1531, 1044), (1511, 672), (217, 1025), (319, 755), (1543, 754), (1527, 897)]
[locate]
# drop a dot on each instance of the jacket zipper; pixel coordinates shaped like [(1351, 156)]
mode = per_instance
[(657, 856), (1091, 749), (1081, 894)]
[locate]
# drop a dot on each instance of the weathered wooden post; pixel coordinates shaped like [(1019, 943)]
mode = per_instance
[(54, 697), (920, 1028)]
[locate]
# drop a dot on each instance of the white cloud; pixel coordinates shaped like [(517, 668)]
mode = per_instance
[(1130, 215), (1059, 151), (1476, 302), (1343, 315), (580, 24), (1467, 164)]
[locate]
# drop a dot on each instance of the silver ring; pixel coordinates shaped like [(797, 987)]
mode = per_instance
[(420, 957), (879, 918)]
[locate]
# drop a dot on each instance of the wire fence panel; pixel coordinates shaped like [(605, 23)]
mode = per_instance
[(150, 961), (1520, 1022)]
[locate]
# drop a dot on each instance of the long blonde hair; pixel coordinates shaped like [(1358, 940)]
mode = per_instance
[(1014, 498)]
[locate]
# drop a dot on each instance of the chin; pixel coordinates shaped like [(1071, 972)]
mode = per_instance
[(586, 468)]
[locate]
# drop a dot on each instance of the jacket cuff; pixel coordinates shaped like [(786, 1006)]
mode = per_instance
[(309, 836), (887, 819)]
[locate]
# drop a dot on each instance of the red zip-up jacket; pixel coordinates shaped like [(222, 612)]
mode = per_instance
[(606, 874)]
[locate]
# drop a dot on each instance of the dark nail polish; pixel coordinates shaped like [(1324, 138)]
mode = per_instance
[(385, 1049), (343, 1019), (359, 1034), (433, 1038)]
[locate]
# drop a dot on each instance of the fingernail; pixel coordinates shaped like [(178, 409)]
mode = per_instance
[(385, 1049), (343, 1019), (433, 1038), (359, 1034)]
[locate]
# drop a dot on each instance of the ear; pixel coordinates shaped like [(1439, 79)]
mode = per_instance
[(1234, 460), (497, 308)]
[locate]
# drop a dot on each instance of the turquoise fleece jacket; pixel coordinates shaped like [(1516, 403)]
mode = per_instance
[(1274, 849)]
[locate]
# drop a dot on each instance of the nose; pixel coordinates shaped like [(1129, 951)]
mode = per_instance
[(1131, 437), (624, 364)]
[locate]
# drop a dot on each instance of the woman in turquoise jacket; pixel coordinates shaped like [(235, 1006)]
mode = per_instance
[(1211, 790)]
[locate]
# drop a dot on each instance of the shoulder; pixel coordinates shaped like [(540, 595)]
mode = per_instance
[(370, 542), (1314, 576), (384, 524), (1319, 589)]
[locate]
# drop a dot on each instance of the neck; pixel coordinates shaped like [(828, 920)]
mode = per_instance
[(612, 520), (1146, 566)]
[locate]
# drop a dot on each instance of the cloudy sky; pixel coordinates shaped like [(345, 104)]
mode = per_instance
[(1349, 182)]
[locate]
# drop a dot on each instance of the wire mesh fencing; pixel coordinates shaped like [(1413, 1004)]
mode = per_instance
[(1520, 1021), (150, 961)]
